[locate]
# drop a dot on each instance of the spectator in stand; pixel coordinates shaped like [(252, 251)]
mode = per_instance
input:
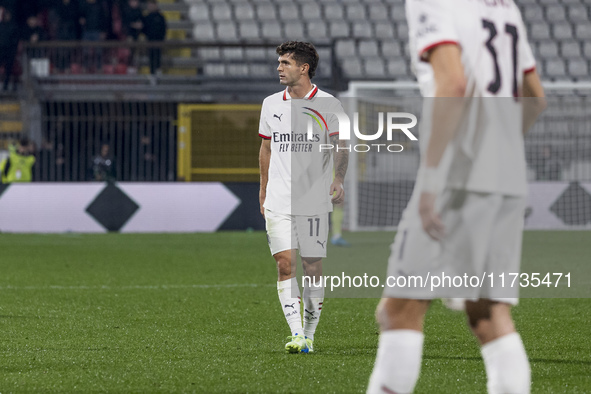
[(9, 38), (94, 22), (103, 165), (65, 16), (132, 19), (155, 30), (33, 32)]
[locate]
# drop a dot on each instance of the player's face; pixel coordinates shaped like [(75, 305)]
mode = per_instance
[(289, 72)]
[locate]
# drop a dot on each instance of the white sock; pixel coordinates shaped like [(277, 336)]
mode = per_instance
[(289, 296), (313, 300), (507, 366), (398, 362)]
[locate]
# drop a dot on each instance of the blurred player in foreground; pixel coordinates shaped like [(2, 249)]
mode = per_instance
[(291, 167), (466, 212)]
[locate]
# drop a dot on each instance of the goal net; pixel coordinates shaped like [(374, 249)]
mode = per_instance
[(558, 154)]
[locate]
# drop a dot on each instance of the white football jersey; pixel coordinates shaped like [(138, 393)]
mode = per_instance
[(487, 153), (300, 174)]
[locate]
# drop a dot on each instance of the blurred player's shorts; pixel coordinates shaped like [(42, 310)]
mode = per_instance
[(308, 234)]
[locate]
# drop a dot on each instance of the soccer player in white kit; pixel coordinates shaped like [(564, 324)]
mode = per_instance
[(466, 211), (297, 185)]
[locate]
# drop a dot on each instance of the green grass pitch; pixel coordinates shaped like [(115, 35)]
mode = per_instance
[(199, 313)]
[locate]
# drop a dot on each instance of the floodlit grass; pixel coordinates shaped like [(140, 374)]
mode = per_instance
[(199, 313)]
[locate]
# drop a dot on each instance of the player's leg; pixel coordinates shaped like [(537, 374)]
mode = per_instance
[(505, 360), (313, 297), (400, 348), (312, 235), (279, 236)]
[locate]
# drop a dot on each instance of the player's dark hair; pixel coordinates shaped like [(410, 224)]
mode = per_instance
[(303, 52), (24, 141)]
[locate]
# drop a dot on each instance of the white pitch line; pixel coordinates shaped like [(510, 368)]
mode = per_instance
[(138, 287)]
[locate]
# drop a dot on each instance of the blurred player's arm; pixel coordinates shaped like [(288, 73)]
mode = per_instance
[(448, 106), (535, 101), (450, 83), (264, 160), (341, 162)]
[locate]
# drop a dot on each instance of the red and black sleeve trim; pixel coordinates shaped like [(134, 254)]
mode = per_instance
[(433, 46), (529, 70), (264, 137), (333, 133)]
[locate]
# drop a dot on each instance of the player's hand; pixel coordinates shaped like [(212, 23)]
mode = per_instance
[(337, 192), (262, 197), (432, 223)]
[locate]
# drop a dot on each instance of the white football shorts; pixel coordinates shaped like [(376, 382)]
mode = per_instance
[(483, 234), (308, 234)]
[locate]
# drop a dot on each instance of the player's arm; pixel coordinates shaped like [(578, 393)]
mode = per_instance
[(450, 87), (448, 105), (341, 162), (535, 101), (264, 160)]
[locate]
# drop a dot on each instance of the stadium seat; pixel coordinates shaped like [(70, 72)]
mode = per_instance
[(255, 53), (338, 29), (374, 67), (294, 30), (398, 68), (555, 68), (316, 29), (345, 49), (355, 12), (199, 12), (391, 49), (214, 69), (539, 32), (209, 54), (384, 30), (362, 29), (570, 49), (237, 70), (226, 31), (221, 12), (271, 30), (266, 11), (555, 13), (587, 50), (310, 11), (121, 69), (352, 68), (244, 12), (260, 70), (533, 13), (368, 48), (402, 31), (236, 53), (398, 13), (378, 12), (333, 11), (578, 13), (548, 49), (562, 31), (249, 31), (578, 68), (203, 32), (289, 12), (583, 31)]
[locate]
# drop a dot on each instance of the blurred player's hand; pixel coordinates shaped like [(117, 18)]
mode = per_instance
[(262, 197), (337, 192), (432, 223)]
